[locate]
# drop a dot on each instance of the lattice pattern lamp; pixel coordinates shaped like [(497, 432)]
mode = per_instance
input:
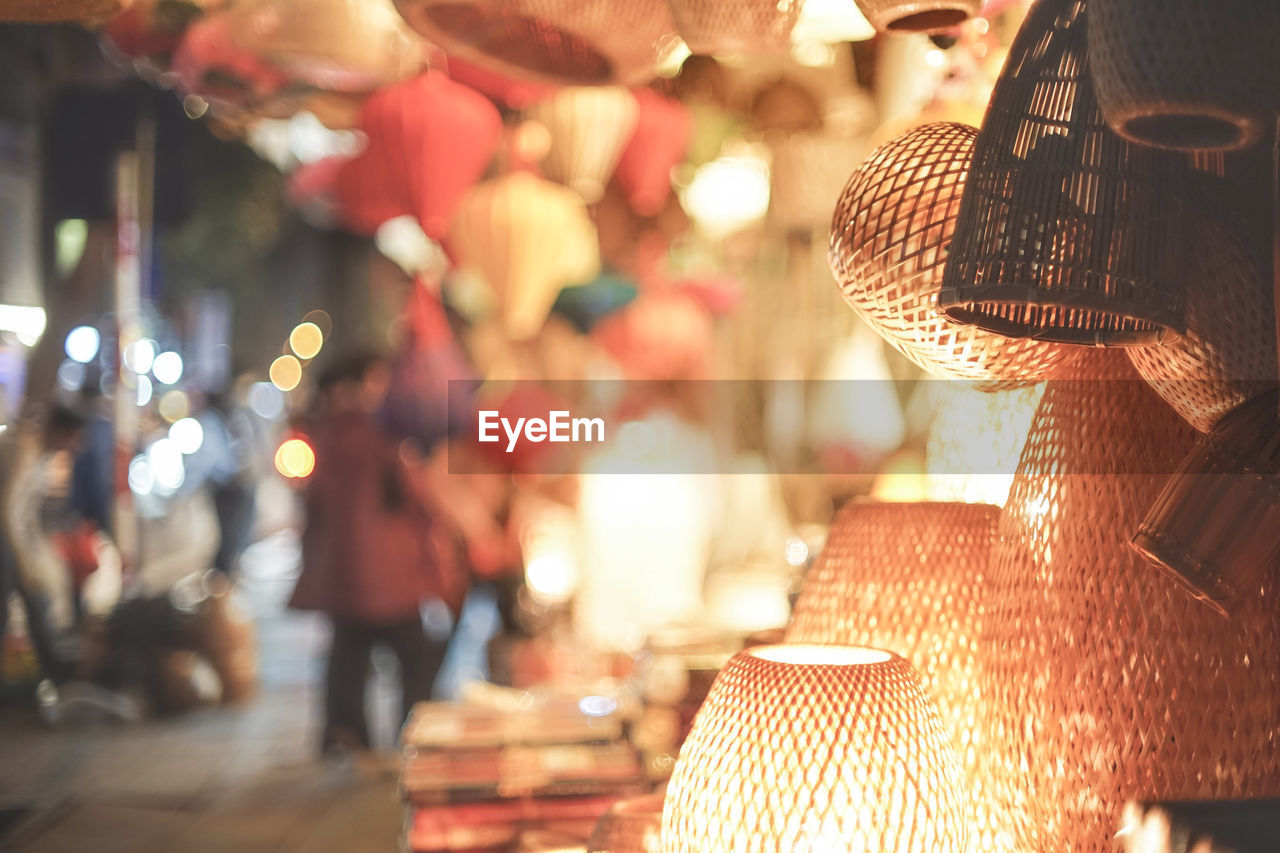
[(1102, 681), (890, 237), (917, 15), (735, 26), (1067, 232), (827, 748)]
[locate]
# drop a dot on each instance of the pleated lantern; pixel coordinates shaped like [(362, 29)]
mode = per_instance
[(589, 126), (1102, 681), (1216, 527), (1067, 232), (908, 577), (711, 27), (630, 826), (831, 748), (917, 15), (890, 238), (1186, 74), (429, 140), (1228, 353), (657, 145), (529, 238), (53, 11), (333, 45), (569, 42)]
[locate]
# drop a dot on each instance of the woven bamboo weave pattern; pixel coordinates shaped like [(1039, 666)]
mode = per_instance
[(917, 15), (1102, 680), (810, 756), (60, 10), (1186, 74), (1216, 527), (735, 26), (570, 42), (908, 577), (890, 235), (1228, 353), (1067, 232)]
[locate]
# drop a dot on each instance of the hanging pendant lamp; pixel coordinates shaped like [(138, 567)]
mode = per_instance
[(712, 27), (1067, 232), (917, 15), (588, 125), (1102, 681), (890, 238)]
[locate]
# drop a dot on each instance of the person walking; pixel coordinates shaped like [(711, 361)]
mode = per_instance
[(370, 553)]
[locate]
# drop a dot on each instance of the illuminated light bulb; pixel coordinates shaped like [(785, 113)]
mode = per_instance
[(285, 372), (305, 340), (82, 344), (167, 368)]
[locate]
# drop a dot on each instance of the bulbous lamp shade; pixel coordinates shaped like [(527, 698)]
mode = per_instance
[(52, 11), (657, 145), (588, 125), (917, 15), (1102, 681), (1066, 232), (569, 42), (529, 238), (829, 748), (908, 577), (890, 236), (1186, 74), (429, 140), (734, 26)]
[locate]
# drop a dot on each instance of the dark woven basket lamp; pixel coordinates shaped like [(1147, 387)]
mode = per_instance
[(1067, 232), (1215, 528), (1186, 74), (735, 26), (567, 42), (889, 239), (917, 15)]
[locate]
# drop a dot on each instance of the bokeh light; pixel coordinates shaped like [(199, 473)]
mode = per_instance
[(174, 406), (140, 355), (266, 401), (295, 458), (82, 344), (286, 372), (141, 480), (144, 390), (166, 465), (70, 375), (167, 368), (187, 435), (306, 339), (728, 194)]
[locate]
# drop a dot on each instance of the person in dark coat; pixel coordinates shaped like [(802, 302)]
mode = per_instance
[(370, 556)]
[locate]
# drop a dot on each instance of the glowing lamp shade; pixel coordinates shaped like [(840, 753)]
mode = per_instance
[(728, 194), (917, 15), (589, 126), (828, 748), (733, 26)]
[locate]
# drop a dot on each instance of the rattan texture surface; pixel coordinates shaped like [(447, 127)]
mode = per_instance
[(568, 42), (1228, 353), (1216, 526), (1102, 681), (790, 757), (589, 127), (908, 577), (49, 11), (1186, 74), (917, 15), (735, 26), (890, 236), (1067, 232), (631, 826)]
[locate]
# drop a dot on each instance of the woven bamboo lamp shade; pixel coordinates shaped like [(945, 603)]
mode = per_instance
[(908, 577), (569, 42), (1216, 526), (1186, 74), (1228, 352), (334, 45), (828, 748), (52, 11), (589, 126), (529, 238), (1067, 232), (735, 26), (917, 15), (890, 237), (630, 826), (1101, 680)]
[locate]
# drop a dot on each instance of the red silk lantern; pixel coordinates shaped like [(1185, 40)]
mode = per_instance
[(511, 91), (430, 139), (657, 145), (664, 334), (208, 63), (367, 193)]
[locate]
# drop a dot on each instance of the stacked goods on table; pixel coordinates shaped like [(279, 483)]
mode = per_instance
[(476, 778)]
